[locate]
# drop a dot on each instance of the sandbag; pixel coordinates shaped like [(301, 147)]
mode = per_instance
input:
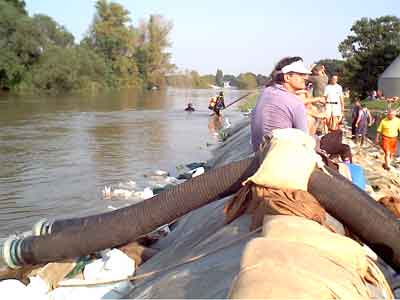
[(392, 204), (259, 201), (274, 269), (289, 161), (296, 229)]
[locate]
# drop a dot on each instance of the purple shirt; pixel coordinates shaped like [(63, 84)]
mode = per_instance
[(276, 108)]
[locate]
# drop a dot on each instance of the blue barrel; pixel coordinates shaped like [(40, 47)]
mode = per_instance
[(357, 175)]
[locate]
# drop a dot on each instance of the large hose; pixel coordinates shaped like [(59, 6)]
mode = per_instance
[(350, 205), (81, 236), (369, 220)]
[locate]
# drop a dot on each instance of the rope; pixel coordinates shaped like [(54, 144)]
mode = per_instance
[(152, 273)]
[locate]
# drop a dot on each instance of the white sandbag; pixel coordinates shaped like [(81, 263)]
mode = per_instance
[(289, 162), (38, 286), (113, 265), (109, 291), (197, 172), (14, 289)]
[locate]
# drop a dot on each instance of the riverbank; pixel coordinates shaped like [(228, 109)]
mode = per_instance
[(202, 255)]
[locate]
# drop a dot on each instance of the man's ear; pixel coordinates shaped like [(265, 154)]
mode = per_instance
[(286, 77)]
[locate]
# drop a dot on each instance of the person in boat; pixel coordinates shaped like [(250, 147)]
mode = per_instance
[(278, 105), (190, 107), (389, 130)]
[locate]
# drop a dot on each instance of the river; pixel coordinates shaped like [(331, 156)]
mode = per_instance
[(58, 153)]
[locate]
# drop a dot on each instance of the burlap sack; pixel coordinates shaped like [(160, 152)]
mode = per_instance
[(272, 269), (300, 259), (289, 162), (339, 248), (392, 204), (260, 201)]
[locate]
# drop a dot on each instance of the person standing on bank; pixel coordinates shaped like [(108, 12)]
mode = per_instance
[(334, 103), (355, 110), (389, 129), (319, 81), (364, 120), (278, 105)]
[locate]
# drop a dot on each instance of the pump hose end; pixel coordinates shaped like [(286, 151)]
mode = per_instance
[(42, 227), (11, 252)]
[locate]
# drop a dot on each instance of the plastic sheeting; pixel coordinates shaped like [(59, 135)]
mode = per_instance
[(199, 232)]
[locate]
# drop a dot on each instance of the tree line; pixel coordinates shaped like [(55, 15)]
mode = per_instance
[(374, 43), (192, 79), (39, 55)]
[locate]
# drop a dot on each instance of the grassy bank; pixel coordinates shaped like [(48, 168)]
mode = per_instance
[(249, 102), (375, 105)]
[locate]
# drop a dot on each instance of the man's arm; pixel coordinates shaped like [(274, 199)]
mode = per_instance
[(377, 137), (378, 133), (359, 117), (342, 103), (369, 118)]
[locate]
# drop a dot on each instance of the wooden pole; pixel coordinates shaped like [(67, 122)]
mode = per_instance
[(233, 102)]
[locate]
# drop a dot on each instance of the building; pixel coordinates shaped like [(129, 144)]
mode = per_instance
[(389, 81)]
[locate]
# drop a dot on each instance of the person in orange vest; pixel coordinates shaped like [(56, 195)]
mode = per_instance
[(217, 103), (212, 103)]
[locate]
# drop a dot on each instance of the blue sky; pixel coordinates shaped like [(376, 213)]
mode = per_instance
[(236, 35)]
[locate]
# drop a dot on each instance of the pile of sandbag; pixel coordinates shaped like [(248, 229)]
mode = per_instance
[(299, 258), (300, 255)]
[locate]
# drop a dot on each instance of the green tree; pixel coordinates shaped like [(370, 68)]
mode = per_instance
[(153, 60), (18, 4), (372, 46), (52, 33), (219, 78), (208, 79), (20, 45), (261, 79), (23, 40), (112, 36), (246, 81), (66, 70)]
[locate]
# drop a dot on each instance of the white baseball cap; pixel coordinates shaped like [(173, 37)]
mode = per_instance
[(296, 67)]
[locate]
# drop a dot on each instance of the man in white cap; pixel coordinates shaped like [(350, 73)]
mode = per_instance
[(278, 106)]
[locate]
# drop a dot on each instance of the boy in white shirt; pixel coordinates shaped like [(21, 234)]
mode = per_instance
[(334, 103)]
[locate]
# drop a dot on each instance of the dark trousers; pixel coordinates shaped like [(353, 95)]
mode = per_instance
[(353, 128)]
